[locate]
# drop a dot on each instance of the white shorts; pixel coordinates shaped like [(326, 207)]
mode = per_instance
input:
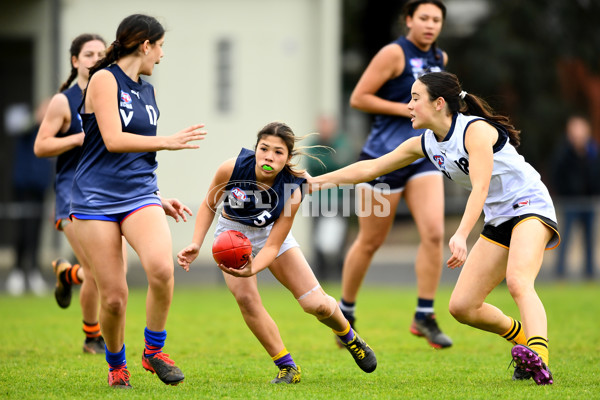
[(258, 235)]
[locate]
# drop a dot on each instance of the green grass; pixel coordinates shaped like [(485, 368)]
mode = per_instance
[(41, 350)]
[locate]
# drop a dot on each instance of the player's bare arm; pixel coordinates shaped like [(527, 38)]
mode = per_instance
[(206, 214), (479, 141), (57, 119), (364, 171), (387, 64)]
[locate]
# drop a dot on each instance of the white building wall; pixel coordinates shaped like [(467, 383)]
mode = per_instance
[(284, 66)]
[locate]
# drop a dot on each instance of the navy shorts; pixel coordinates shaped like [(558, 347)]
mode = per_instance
[(120, 217), (396, 180), (502, 233)]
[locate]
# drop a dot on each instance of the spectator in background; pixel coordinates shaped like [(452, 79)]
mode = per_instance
[(31, 178), (327, 207), (576, 180)]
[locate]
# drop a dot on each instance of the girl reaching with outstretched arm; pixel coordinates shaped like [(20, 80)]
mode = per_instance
[(475, 147)]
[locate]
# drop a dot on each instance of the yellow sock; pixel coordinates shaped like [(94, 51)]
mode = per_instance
[(516, 334), (540, 346)]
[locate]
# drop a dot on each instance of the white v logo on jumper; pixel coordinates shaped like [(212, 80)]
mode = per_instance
[(126, 118)]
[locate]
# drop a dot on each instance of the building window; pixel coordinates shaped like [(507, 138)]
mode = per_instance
[(224, 75)]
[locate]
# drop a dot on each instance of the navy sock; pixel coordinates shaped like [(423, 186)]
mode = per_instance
[(424, 307), (348, 309)]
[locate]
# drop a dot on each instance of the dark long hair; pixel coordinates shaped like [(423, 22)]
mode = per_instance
[(446, 85), (285, 133), (132, 31), (409, 10), (76, 46)]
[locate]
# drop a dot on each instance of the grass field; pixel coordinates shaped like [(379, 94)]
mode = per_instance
[(41, 350)]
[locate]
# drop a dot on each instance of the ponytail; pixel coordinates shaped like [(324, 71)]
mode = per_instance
[(67, 84), (285, 133), (446, 85), (131, 33), (111, 55), (474, 105), (435, 50)]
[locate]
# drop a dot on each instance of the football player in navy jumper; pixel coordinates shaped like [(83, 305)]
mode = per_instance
[(263, 193), (384, 91), (61, 135), (115, 193)]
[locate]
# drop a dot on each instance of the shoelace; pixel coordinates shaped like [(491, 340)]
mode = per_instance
[(283, 372), (359, 351), (521, 373), (164, 357), (120, 375), (514, 364)]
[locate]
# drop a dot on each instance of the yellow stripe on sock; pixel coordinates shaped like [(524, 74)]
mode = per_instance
[(511, 330), (540, 346), (344, 332), (280, 354), (516, 334)]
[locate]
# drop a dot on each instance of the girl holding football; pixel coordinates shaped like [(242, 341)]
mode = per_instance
[(263, 191)]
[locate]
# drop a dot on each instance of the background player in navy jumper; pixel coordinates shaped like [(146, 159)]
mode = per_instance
[(61, 135), (474, 147), (267, 193), (115, 193), (384, 90)]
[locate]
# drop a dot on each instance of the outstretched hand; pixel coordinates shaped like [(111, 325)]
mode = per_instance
[(175, 209), (180, 140), (187, 255)]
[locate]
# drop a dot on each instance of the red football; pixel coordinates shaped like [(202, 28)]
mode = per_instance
[(232, 249)]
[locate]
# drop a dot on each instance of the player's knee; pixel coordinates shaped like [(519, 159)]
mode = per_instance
[(433, 237), (517, 285), (460, 310), (370, 243), (115, 302), (160, 275), (247, 302), (318, 304)]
